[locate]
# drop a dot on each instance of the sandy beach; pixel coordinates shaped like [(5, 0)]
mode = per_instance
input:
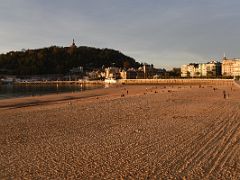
[(155, 132)]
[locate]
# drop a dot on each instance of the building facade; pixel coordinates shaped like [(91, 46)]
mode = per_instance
[(213, 69), (210, 69), (148, 70), (112, 73), (129, 74), (231, 67)]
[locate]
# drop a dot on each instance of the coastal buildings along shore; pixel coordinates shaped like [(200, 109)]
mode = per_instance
[(227, 68)]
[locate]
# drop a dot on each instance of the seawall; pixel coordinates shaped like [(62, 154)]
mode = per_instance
[(140, 82), (178, 81)]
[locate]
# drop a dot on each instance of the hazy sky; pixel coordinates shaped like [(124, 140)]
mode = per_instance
[(166, 33)]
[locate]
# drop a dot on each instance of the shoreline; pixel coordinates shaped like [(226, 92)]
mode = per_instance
[(51, 98), (33, 90), (48, 99)]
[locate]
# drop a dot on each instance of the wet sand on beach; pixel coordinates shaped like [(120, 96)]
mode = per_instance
[(155, 132)]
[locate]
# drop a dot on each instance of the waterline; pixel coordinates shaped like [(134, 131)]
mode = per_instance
[(24, 90)]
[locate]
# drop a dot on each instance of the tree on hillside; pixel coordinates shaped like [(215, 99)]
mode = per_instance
[(59, 60)]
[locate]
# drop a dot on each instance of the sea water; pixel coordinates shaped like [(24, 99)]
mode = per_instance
[(13, 91)]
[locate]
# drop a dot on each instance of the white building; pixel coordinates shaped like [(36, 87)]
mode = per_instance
[(230, 67), (210, 69), (112, 73), (190, 70)]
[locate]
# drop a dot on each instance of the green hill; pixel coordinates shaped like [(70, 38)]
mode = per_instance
[(59, 60)]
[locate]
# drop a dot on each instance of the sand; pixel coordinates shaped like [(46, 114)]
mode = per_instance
[(160, 132)]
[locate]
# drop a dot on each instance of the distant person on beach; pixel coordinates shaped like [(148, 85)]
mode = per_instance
[(224, 94)]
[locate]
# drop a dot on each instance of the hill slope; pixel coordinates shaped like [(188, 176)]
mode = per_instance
[(59, 60)]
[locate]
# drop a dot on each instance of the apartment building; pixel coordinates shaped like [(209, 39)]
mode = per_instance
[(231, 67), (210, 69)]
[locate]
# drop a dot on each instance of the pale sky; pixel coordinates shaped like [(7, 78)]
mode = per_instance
[(167, 33)]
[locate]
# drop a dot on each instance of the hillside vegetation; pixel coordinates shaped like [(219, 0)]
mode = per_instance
[(59, 60)]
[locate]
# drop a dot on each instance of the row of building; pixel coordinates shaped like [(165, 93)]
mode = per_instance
[(144, 72), (226, 68)]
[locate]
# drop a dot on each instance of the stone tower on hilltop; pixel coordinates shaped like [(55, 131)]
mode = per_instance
[(72, 48), (73, 44)]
